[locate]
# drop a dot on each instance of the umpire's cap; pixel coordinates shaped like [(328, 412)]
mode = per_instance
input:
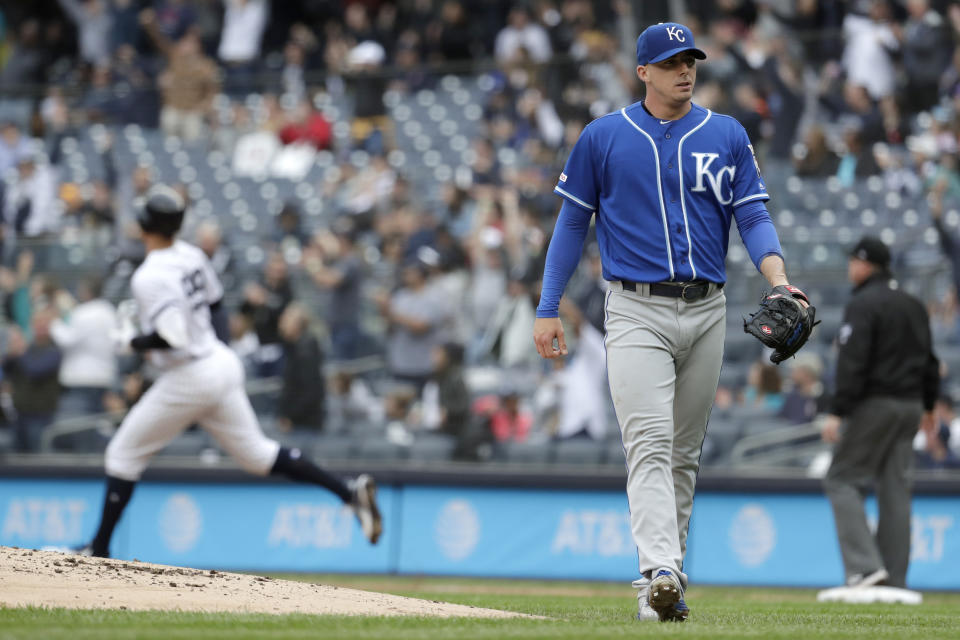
[(660, 41), (873, 250), (162, 211)]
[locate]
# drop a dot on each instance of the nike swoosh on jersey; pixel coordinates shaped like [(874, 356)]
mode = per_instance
[(666, 121)]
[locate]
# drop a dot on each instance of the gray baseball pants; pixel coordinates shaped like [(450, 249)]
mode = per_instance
[(875, 447), (663, 363)]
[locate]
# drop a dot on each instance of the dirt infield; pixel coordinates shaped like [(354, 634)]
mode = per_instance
[(51, 579)]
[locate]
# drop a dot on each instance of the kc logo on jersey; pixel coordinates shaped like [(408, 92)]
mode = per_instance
[(677, 34), (714, 180)]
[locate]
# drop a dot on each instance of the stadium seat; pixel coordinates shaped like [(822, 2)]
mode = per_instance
[(526, 452), (613, 453), (333, 447), (188, 443), (432, 447), (578, 451), (381, 449)]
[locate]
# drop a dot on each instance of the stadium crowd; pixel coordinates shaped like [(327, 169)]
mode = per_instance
[(406, 306)]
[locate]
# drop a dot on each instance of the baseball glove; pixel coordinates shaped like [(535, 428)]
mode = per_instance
[(782, 323)]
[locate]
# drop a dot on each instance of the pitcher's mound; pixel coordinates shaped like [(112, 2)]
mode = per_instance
[(51, 579)]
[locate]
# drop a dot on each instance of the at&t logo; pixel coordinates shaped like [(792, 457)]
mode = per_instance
[(457, 529)]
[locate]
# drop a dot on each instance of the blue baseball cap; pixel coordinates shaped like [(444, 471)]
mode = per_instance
[(660, 41)]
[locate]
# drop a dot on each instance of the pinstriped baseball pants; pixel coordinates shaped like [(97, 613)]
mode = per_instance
[(663, 363), (209, 391)]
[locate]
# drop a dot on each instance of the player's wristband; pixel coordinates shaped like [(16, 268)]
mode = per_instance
[(148, 341)]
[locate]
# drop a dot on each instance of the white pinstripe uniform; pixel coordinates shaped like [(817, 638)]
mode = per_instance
[(202, 383)]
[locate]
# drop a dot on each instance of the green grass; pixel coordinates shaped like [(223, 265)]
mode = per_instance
[(577, 610)]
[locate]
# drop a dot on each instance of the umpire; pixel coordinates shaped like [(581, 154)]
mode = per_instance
[(887, 382)]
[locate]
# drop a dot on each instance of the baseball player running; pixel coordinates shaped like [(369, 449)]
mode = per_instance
[(664, 177), (202, 381)]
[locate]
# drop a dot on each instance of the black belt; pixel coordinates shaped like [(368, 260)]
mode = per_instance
[(688, 291)]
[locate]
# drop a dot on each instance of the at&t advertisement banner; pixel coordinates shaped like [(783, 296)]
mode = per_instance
[(766, 539)]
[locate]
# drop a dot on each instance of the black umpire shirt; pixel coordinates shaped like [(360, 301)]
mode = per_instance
[(885, 348)]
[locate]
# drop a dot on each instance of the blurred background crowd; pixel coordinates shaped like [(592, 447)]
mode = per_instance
[(373, 182)]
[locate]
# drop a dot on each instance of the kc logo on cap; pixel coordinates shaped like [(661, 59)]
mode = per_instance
[(674, 33), (661, 41)]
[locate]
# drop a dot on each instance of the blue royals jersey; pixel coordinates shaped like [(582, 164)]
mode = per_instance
[(664, 191)]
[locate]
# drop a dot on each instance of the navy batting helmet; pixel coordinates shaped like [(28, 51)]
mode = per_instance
[(162, 211)]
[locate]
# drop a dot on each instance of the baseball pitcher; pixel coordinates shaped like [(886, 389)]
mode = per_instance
[(664, 178)]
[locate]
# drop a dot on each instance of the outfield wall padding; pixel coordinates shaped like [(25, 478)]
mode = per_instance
[(740, 537)]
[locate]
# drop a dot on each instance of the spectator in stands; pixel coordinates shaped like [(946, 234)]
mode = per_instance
[(231, 127), (292, 82), (857, 159), (940, 448), (209, 237), (301, 404), (244, 341), (26, 63), (868, 60), (15, 284), (338, 268), (584, 394), (368, 190), (174, 18), (590, 294), (450, 38), (412, 74), (91, 214), (30, 207), (125, 394), (307, 125), (351, 402), (814, 157), (786, 96), (764, 388), (89, 366), (804, 401), (506, 336), (416, 317), (510, 419), (31, 369), (398, 410), (13, 146), (371, 128), (188, 84), (244, 22), (265, 302), (522, 33), (357, 25), (949, 243), (125, 24), (602, 68), (927, 50), (94, 22), (102, 103), (446, 397), (289, 229)]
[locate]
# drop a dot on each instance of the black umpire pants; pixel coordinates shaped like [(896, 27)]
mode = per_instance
[(875, 448)]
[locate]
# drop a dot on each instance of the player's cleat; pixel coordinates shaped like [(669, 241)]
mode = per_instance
[(645, 612), (364, 505), (86, 550), (869, 580), (665, 595)]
